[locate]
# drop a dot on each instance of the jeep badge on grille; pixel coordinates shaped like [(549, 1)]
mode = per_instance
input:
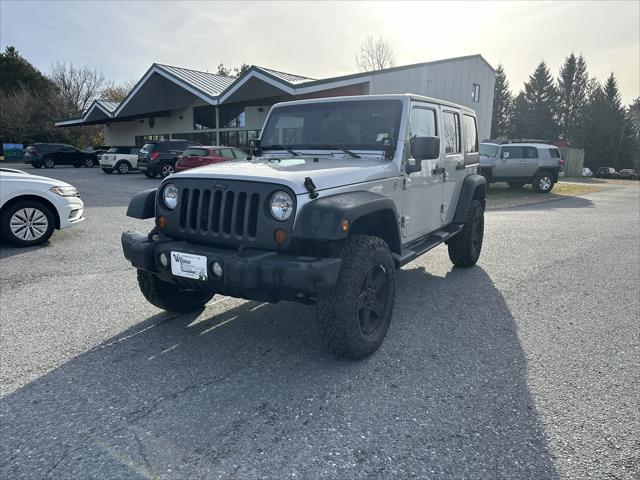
[(220, 186)]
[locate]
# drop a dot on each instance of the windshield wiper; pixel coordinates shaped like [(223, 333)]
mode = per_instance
[(280, 147), (335, 147)]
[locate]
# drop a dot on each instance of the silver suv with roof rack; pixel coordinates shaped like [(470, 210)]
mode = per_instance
[(339, 194), (521, 161)]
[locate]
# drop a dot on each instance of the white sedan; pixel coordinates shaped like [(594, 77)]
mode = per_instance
[(32, 206)]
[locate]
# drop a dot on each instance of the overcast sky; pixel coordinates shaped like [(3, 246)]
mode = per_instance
[(320, 39)]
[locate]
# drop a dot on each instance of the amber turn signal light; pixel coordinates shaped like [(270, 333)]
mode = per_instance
[(280, 236), (344, 225), (162, 222)]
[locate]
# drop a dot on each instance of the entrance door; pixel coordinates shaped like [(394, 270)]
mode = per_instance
[(422, 189)]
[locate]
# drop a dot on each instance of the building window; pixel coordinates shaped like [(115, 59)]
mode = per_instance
[(232, 116), (203, 138), (475, 93), (142, 139), (204, 118), (238, 138)]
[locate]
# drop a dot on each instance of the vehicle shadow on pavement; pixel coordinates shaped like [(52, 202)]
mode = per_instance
[(252, 393), (549, 204)]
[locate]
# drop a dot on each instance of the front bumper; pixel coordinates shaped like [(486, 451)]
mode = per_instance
[(251, 274), (70, 211)]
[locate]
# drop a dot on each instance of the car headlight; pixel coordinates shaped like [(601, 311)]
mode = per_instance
[(281, 205), (65, 191), (170, 196)]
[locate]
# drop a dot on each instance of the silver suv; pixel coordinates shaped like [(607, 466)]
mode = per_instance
[(519, 162), (339, 194)]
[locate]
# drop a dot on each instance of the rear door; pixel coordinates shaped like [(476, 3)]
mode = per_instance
[(453, 159)]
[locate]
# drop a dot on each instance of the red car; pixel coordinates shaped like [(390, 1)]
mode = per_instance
[(198, 156)]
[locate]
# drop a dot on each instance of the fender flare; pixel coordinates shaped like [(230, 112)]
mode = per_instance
[(143, 204), (474, 187), (367, 213)]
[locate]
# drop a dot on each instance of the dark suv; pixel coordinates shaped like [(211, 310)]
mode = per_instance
[(160, 157), (49, 155), (606, 172)]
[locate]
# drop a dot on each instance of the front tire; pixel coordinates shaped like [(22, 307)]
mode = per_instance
[(543, 182), (27, 223), (465, 247), (354, 316), (168, 296)]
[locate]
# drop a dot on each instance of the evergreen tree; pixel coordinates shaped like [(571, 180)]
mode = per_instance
[(572, 88), (18, 73), (502, 103), (621, 126), (521, 117), (541, 98)]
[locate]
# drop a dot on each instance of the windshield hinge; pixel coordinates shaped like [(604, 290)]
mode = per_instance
[(311, 188)]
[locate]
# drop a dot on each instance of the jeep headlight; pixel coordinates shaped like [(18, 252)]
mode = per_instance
[(281, 205), (170, 196)]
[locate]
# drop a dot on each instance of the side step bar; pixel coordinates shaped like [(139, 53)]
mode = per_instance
[(415, 249)]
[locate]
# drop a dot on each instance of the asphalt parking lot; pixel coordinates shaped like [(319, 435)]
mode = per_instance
[(523, 367)]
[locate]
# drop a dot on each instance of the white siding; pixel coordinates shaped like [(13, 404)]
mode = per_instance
[(451, 80)]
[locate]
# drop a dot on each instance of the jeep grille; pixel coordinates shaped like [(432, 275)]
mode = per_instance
[(216, 212)]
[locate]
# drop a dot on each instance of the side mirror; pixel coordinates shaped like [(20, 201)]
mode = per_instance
[(505, 155), (422, 148), (254, 148)]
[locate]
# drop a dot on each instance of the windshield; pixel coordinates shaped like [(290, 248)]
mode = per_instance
[(352, 125), (488, 150)]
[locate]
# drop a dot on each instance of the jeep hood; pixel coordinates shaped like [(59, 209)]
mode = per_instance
[(325, 172)]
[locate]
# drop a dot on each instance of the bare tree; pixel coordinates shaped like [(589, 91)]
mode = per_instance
[(116, 92), (77, 85), (375, 54)]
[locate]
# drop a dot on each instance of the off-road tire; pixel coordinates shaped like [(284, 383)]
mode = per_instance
[(338, 312), (5, 223), (168, 296), (543, 182), (515, 185), (465, 247)]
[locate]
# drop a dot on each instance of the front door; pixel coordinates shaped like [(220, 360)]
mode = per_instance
[(422, 189), (510, 163)]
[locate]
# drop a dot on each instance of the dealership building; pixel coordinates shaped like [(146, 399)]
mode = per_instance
[(179, 103)]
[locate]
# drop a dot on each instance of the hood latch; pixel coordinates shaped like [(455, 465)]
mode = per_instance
[(311, 188)]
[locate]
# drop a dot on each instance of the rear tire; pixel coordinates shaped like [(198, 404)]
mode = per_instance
[(354, 316), (49, 163), (167, 169), (464, 248), (516, 185), (168, 296), (123, 167), (27, 223), (88, 162), (543, 182)]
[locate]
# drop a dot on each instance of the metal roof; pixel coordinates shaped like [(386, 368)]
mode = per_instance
[(210, 84), (108, 106), (287, 77)]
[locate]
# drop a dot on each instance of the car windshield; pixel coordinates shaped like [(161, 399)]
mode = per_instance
[(351, 125), (488, 150)]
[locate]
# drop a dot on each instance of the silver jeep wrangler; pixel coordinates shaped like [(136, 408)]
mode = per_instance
[(338, 194), (518, 162)]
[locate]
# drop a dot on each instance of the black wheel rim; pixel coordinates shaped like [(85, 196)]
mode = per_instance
[(373, 299), (88, 163)]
